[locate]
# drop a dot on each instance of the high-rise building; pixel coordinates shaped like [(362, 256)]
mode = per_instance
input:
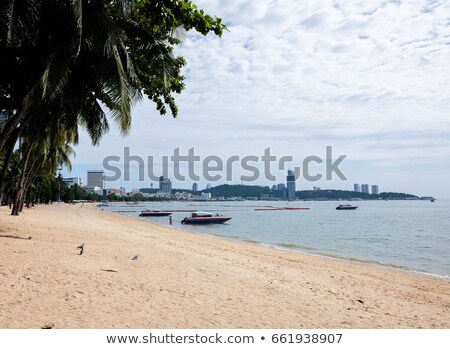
[(281, 187), (71, 181), (375, 189), (195, 187), (365, 188), (290, 184), (95, 178), (165, 185), (357, 188), (208, 186)]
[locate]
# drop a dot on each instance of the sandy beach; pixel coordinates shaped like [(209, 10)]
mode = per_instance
[(186, 280)]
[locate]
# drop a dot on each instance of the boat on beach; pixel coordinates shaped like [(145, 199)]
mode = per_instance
[(204, 218), (346, 207), (155, 213)]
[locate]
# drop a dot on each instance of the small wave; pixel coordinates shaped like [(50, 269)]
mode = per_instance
[(289, 245), (252, 241)]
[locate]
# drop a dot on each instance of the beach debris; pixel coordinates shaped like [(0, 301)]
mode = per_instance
[(360, 301), (48, 326), (135, 257), (15, 237), (109, 270), (81, 248)]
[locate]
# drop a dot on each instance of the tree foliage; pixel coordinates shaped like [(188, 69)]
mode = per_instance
[(64, 63)]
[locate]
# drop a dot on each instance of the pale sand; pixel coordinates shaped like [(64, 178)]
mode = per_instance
[(184, 280)]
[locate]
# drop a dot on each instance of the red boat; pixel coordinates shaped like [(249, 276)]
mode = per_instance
[(155, 213), (205, 218)]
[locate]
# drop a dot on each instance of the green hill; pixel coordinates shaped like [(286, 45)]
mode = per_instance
[(238, 190), (330, 194)]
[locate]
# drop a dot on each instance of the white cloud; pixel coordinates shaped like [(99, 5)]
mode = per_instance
[(370, 77)]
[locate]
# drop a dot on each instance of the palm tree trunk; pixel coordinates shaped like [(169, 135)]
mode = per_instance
[(31, 173), (9, 153), (20, 189), (10, 126)]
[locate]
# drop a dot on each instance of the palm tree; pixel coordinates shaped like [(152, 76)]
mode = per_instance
[(64, 60), (46, 146), (78, 52), (85, 63)]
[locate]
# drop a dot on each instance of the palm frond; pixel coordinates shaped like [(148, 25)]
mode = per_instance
[(77, 7), (21, 18), (54, 77)]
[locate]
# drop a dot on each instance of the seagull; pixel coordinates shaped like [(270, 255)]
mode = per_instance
[(135, 257), (81, 248)]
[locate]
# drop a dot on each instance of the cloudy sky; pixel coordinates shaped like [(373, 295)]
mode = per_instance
[(369, 78)]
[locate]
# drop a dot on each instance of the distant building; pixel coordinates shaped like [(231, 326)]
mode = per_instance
[(93, 190), (114, 191), (357, 188), (316, 188), (95, 178), (365, 188), (290, 183), (71, 181), (195, 187), (281, 187), (183, 195), (375, 189), (206, 196), (208, 186), (165, 185)]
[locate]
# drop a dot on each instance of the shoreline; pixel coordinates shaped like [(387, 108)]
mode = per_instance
[(185, 279), (350, 260)]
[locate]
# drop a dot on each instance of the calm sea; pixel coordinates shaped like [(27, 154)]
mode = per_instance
[(411, 235)]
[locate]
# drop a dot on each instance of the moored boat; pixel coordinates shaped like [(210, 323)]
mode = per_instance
[(205, 218), (346, 207), (155, 213)]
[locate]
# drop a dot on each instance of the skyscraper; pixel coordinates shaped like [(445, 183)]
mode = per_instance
[(365, 188), (95, 178), (165, 185), (375, 189), (290, 184), (357, 188), (195, 187)]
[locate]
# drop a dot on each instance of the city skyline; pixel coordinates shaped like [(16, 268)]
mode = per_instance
[(287, 189), (164, 183)]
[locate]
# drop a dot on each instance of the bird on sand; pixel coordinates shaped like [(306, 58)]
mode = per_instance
[(81, 248)]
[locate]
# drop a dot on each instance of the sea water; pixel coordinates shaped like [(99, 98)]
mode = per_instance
[(411, 235)]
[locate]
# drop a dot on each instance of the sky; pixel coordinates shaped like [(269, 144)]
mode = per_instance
[(368, 78)]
